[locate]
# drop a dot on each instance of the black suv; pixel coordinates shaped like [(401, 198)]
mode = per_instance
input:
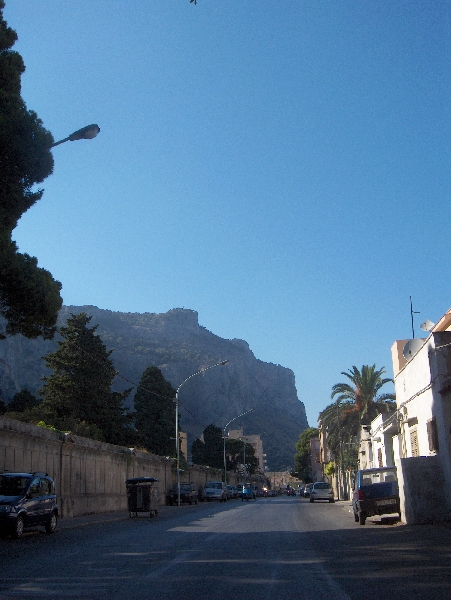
[(188, 493), (27, 500)]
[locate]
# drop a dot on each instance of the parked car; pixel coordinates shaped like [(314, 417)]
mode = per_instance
[(307, 489), (375, 492), (215, 490), (27, 500), (248, 493), (233, 492), (188, 493), (321, 490)]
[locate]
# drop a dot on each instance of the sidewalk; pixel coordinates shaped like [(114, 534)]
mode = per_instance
[(83, 520)]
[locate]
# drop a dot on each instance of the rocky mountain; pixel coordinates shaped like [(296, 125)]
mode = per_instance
[(179, 346)]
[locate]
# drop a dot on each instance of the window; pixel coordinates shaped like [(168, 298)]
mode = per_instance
[(432, 435), (379, 457), (46, 487), (414, 442), (35, 489)]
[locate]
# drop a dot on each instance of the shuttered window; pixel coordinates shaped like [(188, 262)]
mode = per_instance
[(432, 435), (414, 442)]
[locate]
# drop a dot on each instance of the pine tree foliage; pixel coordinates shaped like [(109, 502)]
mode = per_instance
[(214, 448), (198, 452), (155, 413), (29, 296), (78, 392), (23, 400)]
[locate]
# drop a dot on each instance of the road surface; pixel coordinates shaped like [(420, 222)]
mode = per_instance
[(273, 548)]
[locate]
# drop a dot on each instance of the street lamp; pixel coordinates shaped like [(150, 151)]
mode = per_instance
[(224, 438), (176, 400), (85, 133)]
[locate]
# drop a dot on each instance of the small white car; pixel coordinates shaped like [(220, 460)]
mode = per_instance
[(321, 490)]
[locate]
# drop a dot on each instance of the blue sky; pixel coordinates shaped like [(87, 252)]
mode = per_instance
[(282, 168)]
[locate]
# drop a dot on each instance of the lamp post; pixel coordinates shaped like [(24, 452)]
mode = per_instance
[(176, 400), (224, 438), (340, 470), (85, 133)]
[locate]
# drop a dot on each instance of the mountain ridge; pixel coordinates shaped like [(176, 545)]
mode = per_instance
[(176, 343)]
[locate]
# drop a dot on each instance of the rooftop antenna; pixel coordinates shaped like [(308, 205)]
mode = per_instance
[(412, 312)]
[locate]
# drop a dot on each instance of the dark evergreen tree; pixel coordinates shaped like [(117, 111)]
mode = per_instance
[(155, 413), (235, 455), (198, 452), (22, 401), (29, 296), (214, 448), (78, 393)]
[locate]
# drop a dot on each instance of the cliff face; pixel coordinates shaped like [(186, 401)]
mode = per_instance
[(179, 346)]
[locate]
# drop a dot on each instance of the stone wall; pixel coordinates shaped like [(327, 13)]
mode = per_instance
[(89, 475)]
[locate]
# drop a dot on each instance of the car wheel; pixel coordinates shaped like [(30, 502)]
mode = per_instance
[(51, 525), (18, 527), (362, 518), (311, 500)]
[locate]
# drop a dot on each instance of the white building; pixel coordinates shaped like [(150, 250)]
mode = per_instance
[(421, 428), (376, 442)]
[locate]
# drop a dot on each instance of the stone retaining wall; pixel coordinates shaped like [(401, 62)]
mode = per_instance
[(89, 475)]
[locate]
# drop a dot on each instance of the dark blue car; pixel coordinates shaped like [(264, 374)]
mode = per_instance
[(375, 492), (27, 500)]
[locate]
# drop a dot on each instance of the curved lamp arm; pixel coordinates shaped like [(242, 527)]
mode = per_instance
[(176, 400)]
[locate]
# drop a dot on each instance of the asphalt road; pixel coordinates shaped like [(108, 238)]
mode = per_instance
[(274, 548)]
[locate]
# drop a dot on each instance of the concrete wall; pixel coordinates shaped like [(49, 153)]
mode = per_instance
[(89, 475), (423, 498)]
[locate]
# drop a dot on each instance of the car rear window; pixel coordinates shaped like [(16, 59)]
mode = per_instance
[(322, 486), (216, 486), (378, 477)]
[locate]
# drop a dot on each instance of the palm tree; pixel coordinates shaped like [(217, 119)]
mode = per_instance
[(364, 392), (354, 405)]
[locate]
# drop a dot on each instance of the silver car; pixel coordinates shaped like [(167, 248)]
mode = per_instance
[(321, 490), (215, 490)]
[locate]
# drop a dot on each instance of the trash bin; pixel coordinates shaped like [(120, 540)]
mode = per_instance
[(142, 496)]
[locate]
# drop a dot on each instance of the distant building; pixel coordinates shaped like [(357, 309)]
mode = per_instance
[(255, 441), (183, 444), (315, 456)]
